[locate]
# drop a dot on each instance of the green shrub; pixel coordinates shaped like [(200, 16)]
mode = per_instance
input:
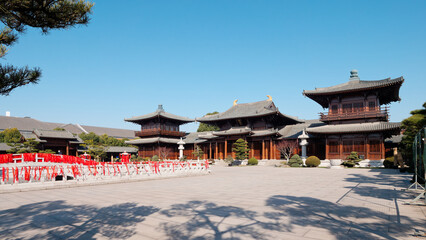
[(295, 161), (252, 161), (351, 160), (312, 161), (155, 158), (388, 163)]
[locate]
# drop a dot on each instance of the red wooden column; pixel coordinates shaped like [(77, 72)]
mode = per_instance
[(263, 149), (251, 150), (271, 149), (216, 152), (226, 149), (367, 146), (210, 151), (67, 150), (327, 148), (382, 147), (340, 147)]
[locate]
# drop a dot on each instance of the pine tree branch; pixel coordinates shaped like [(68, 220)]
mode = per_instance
[(11, 77)]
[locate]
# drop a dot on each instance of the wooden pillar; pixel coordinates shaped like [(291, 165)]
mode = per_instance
[(67, 150), (382, 147), (226, 149), (263, 149), (326, 148), (251, 150), (216, 152), (210, 151), (275, 150), (341, 147), (270, 149), (367, 148)]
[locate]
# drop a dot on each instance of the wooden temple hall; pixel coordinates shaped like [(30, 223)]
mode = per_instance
[(357, 119)]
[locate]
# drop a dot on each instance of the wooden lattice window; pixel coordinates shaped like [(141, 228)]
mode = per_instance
[(347, 146), (358, 107), (333, 146), (334, 108), (347, 107), (374, 145), (359, 146)]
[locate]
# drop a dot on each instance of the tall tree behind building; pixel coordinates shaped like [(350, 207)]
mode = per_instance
[(45, 15)]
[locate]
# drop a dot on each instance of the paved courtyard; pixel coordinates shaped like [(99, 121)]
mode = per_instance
[(231, 203)]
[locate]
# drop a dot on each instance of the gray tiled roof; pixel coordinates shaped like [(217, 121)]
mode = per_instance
[(355, 127), (4, 147), (254, 109), (194, 137), (28, 135), (112, 132), (267, 132), (233, 131), (294, 131), (30, 124), (390, 88), (159, 113), (24, 124), (53, 134), (394, 139), (355, 85), (117, 149), (153, 140)]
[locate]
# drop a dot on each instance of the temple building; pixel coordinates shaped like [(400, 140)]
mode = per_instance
[(357, 119), (159, 133), (258, 123)]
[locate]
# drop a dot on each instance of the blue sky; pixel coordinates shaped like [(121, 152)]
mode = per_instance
[(196, 57)]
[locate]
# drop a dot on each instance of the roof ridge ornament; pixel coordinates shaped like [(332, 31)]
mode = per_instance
[(354, 75), (269, 97), (235, 102), (160, 108)]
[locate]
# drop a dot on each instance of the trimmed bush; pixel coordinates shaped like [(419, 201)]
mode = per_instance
[(313, 161), (351, 160), (388, 163), (252, 161), (295, 161)]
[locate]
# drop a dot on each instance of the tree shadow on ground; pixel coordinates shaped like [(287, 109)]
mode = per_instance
[(207, 220), (342, 221), (61, 220), (384, 177)]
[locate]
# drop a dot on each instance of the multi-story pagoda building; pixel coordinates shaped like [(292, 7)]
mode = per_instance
[(357, 118), (158, 129), (258, 123)]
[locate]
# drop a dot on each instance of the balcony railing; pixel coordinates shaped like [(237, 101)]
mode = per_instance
[(158, 132), (380, 113)]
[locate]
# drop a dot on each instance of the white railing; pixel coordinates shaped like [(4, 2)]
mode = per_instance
[(40, 171)]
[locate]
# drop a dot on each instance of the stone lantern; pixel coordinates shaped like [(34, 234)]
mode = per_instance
[(303, 142), (181, 148)]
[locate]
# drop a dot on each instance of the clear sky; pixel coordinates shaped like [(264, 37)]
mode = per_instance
[(196, 57)]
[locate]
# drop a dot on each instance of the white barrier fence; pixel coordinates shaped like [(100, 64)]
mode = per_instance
[(22, 172)]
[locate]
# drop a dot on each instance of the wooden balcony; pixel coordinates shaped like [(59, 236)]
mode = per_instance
[(380, 113), (158, 132)]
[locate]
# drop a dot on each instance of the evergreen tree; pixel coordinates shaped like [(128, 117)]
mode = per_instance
[(16, 15), (198, 152), (204, 127), (240, 147), (411, 126)]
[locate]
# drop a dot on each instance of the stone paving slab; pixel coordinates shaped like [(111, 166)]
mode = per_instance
[(260, 202)]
